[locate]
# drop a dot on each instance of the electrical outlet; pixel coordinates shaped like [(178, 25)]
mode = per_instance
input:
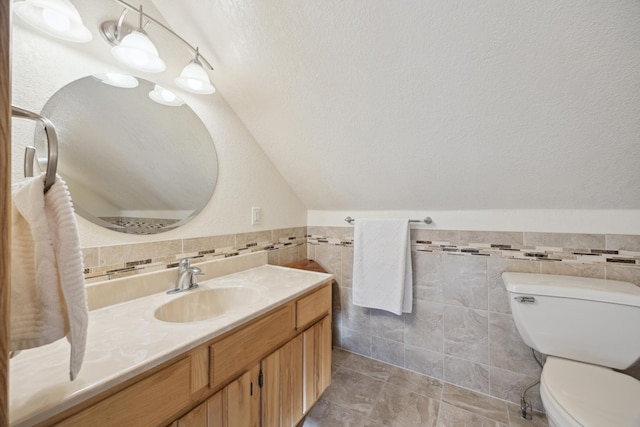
[(256, 216)]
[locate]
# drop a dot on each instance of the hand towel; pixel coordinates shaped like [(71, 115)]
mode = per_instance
[(48, 295), (382, 273)]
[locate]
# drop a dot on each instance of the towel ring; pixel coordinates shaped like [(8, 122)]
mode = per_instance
[(30, 152)]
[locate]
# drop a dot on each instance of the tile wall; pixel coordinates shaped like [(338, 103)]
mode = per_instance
[(110, 262), (461, 329)]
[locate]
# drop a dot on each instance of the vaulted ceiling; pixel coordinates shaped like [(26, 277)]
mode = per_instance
[(433, 104)]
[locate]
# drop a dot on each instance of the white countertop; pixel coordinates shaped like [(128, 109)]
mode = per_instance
[(126, 339)]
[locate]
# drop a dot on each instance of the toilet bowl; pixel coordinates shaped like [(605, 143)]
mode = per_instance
[(586, 327), (576, 394)]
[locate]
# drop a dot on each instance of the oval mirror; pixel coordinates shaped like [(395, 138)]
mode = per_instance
[(131, 164)]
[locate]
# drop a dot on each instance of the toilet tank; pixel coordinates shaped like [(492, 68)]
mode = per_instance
[(590, 320)]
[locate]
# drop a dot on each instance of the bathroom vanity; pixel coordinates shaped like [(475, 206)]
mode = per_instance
[(265, 362)]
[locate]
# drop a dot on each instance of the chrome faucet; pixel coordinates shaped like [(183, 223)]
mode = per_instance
[(187, 277)]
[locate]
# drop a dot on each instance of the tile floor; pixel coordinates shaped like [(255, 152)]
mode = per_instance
[(368, 393)]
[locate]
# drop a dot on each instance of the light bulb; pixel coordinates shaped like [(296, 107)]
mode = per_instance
[(165, 97), (117, 79), (56, 20), (137, 51), (194, 78)]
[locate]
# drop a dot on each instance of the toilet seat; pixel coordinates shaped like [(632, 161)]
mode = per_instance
[(577, 394)]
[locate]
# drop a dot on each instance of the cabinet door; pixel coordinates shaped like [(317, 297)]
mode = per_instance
[(273, 403), (197, 417), (243, 400), (217, 409), (316, 347)]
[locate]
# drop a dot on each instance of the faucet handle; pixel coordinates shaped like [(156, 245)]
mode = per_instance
[(185, 263), (193, 282)]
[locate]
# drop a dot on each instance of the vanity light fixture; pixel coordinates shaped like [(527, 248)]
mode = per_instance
[(194, 78), (165, 97), (57, 18), (118, 80), (136, 49), (139, 49)]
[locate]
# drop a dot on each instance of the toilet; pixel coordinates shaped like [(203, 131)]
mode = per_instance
[(587, 328)]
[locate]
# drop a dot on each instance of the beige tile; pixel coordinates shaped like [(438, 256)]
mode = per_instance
[(311, 251), (423, 327), (346, 266), (466, 373), (354, 341), (571, 269), (110, 255), (511, 238), (367, 366), (416, 383), (288, 255), (466, 333), (508, 385), (387, 325), (427, 276), (448, 236), (339, 355), (626, 242), (387, 351), (354, 317), (254, 237), (398, 407), (424, 361), (477, 403), (565, 240), (284, 234), (330, 258), (625, 274), (508, 351), (354, 391), (538, 418), (329, 414), (451, 416), (498, 297), (331, 232), (465, 281), (198, 244), (91, 257), (273, 257)]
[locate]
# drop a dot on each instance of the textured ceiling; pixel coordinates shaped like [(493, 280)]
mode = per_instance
[(435, 104)]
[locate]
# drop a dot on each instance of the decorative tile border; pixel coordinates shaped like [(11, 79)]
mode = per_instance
[(111, 262), (508, 251)]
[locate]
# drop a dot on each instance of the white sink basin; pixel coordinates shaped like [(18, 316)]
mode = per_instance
[(203, 304)]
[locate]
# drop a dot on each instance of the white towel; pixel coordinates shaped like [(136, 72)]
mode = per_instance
[(48, 295), (382, 274)]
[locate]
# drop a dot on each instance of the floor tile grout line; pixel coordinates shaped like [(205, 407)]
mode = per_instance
[(506, 403)]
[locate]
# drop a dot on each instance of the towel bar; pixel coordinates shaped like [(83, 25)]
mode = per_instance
[(427, 220), (52, 144)]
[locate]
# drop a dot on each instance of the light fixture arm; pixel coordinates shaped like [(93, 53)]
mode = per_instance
[(160, 24)]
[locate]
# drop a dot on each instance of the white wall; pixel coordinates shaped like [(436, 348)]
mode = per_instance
[(246, 176), (532, 220)]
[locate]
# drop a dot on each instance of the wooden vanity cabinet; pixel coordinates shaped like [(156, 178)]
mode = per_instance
[(269, 372), (282, 387)]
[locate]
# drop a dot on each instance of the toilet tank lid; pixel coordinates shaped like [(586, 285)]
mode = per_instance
[(612, 291)]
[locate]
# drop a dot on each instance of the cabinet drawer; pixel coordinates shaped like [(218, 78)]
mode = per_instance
[(233, 354), (148, 402), (313, 307)]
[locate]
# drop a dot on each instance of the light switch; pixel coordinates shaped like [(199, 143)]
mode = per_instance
[(256, 216)]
